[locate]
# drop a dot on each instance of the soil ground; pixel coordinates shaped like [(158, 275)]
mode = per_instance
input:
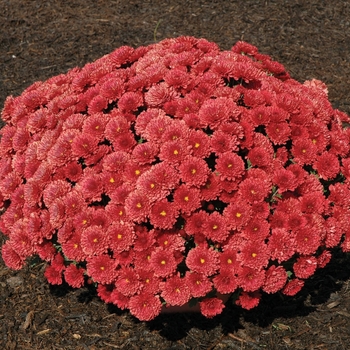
[(40, 39)]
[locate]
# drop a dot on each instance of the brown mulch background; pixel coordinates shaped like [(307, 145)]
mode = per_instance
[(40, 39)]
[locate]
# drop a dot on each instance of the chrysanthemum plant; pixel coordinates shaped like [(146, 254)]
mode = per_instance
[(176, 172)]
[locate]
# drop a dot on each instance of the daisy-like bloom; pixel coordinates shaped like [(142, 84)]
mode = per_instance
[(200, 143), (257, 229), (325, 257), (145, 153), (304, 151), (130, 101), (119, 299), (281, 244), (170, 240), (149, 282), (121, 236), (116, 126), (254, 254), (313, 202), (90, 186), (94, 241), (104, 291), (305, 266), (177, 78), (225, 282), (238, 213), (102, 268), (275, 279), (57, 213), (215, 111), (159, 94), (176, 130), (259, 156), (55, 189), (222, 142), (293, 287), (250, 279), (165, 175), (307, 240), (45, 250), (137, 206), (211, 189), (11, 258), (249, 300), (175, 291), (127, 282), (334, 232), (73, 171), (216, 228), (145, 306), (20, 241), (163, 214), (74, 276), (174, 151), (254, 190), (112, 89), (97, 104), (203, 260), (194, 171), (124, 142), (198, 284), (230, 166), (187, 198), (156, 127), (327, 166), (133, 171), (195, 222), (144, 239), (146, 183), (163, 262), (84, 144), (211, 307), (53, 275), (285, 180)]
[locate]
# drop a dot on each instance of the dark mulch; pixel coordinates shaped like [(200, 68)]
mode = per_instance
[(40, 39)]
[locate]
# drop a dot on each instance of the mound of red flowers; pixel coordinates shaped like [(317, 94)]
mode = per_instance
[(175, 172)]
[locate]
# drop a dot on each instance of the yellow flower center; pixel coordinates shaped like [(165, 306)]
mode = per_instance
[(139, 205), (238, 215), (202, 261), (163, 262), (186, 198), (163, 213), (254, 255)]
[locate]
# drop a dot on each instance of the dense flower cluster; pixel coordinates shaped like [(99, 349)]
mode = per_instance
[(175, 172)]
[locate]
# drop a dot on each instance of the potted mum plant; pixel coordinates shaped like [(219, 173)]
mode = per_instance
[(175, 172)]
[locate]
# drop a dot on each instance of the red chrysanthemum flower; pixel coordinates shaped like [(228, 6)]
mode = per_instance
[(163, 262), (11, 258), (127, 281), (275, 279), (304, 151), (278, 132), (94, 241), (145, 153), (102, 268), (163, 214), (281, 244), (230, 166), (203, 260), (149, 282), (187, 198), (305, 266), (118, 299), (137, 206), (249, 300), (130, 101), (74, 276), (200, 143), (194, 171), (121, 236), (211, 307), (285, 180), (159, 94), (175, 151), (250, 279), (313, 202), (325, 257), (238, 213), (195, 222), (256, 229), (104, 291), (144, 239), (259, 156), (222, 142), (254, 254), (216, 228), (293, 287), (211, 190), (254, 190), (145, 306), (327, 166), (225, 282), (198, 284), (175, 291)]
